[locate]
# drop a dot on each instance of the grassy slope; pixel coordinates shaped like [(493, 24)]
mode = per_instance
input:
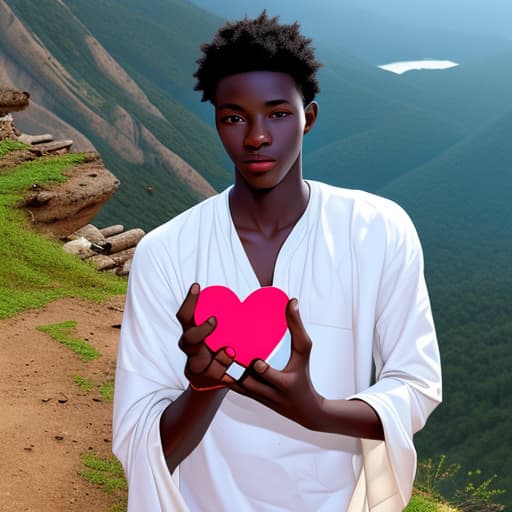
[(35, 270)]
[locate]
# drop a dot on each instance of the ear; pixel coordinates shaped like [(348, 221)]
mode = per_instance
[(311, 113)]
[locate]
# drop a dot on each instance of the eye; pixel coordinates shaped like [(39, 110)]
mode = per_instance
[(280, 114), (233, 119)]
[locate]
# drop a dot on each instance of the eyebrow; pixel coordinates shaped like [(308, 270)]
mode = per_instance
[(234, 106)]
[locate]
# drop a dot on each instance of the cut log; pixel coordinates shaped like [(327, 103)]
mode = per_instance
[(35, 139), (125, 240), (59, 146), (112, 230), (125, 269), (102, 262), (91, 232), (123, 256)]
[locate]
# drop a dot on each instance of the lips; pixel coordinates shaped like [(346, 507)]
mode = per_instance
[(260, 163)]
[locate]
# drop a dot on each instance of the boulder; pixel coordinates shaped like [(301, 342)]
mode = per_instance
[(63, 208)]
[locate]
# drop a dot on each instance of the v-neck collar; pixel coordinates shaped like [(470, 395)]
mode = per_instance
[(289, 245)]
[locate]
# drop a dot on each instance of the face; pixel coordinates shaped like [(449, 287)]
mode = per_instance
[(261, 121)]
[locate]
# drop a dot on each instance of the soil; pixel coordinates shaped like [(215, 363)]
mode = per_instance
[(46, 421)]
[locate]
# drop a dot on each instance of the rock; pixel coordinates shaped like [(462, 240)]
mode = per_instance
[(13, 101), (80, 247), (7, 129), (66, 207)]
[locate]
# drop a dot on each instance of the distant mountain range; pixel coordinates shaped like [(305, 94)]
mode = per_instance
[(117, 74)]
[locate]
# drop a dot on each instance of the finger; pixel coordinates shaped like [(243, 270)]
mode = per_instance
[(185, 314), (301, 343), (221, 362), (269, 375), (192, 338), (260, 391)]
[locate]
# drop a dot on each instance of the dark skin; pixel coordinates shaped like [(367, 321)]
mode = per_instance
[(261, 120)]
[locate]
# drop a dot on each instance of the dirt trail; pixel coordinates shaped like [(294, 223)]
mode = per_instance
[(46, 421)]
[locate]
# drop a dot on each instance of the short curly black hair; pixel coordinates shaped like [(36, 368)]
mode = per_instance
[(260, 44)]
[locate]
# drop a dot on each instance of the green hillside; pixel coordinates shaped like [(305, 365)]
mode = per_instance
[(461, 205), (35, 270), (472, 93)]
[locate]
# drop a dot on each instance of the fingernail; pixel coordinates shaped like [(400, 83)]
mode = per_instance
[(230, 352), (260, 366), (194, 289), (212, 321), (295, 304)]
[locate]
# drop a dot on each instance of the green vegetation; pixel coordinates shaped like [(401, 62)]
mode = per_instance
[(61, 333), (7, 146), (107, 390), (84, 383), (35, 270), (108, 474)]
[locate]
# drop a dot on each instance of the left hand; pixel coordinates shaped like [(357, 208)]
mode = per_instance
[(290, 391)]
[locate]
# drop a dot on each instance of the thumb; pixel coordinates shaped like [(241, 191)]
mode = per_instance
[(301, 343)]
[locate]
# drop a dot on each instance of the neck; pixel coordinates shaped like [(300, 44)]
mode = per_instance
[(269, 210)]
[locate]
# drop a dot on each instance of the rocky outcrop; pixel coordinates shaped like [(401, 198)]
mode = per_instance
[(68, 206), (64, 210)]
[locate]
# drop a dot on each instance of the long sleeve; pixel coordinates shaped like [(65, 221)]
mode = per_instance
[(390, 285), (149, 376)]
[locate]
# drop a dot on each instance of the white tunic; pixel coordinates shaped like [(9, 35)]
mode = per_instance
[(354, 262)]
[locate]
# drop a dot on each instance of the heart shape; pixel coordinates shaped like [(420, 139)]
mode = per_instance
[(253, 327)]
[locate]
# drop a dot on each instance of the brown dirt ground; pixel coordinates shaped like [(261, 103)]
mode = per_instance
[(46, 421)]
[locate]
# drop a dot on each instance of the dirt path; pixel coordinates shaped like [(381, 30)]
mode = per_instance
[(46, 421)]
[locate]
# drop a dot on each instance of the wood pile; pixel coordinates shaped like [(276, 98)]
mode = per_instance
[(111, 248)]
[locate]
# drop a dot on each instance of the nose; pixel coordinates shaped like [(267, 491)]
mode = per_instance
[(257, 135)]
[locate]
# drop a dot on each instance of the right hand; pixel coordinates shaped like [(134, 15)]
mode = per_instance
[(205, 369)]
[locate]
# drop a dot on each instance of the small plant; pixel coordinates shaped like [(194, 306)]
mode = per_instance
[(61, 333), (479, 497), (434, 477), (107, 390), (83, 383)]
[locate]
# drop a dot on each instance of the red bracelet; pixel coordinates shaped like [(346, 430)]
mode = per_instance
[(207, 388)]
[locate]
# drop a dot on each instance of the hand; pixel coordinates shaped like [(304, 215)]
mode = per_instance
[(204, 369), (289, 392)]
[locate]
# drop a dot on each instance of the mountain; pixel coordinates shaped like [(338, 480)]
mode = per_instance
[(376, 34), (470, 94), (460, 203), (146, 141)]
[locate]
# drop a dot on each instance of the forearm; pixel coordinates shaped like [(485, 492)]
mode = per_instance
[(353, 418), (185, 421)]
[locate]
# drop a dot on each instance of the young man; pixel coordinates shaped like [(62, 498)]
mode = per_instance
[(305, 431)]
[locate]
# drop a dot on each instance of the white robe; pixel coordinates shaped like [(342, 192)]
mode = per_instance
[(354, 262)]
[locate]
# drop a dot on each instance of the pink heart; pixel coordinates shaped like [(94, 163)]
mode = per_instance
[(253, 327)]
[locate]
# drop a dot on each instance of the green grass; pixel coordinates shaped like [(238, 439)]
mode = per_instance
[(108, 474), (107, 390), (6, 146), (61, 333), (35, 270), (84, 383)]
